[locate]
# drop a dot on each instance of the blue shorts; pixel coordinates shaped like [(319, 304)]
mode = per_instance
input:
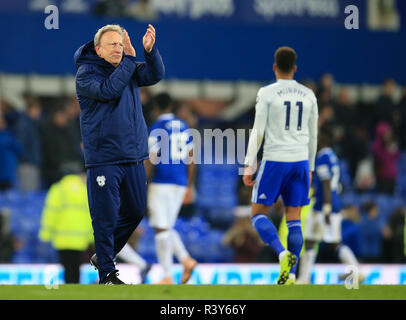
[(288, 179)]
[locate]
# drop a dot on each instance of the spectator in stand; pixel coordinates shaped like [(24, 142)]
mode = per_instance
[(243, 239), (351, 133), (401, 120), (142, 10), (10, 150), (110, 8), (393, 233), (60, 152), (354, 148), (242, 236), (326, 115), (310, 84), (385, 106), (28, 134), (147, 103), (386, 156), (10, 115), (8, 241), (371, 235), (72, 110), (185, 112), (350, 229), (344, 109), (325, 89)]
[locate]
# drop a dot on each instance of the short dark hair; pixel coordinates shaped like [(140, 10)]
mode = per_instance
[(285, 59), (163, 101)]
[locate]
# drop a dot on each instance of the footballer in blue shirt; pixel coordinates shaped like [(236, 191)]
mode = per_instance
[(324, 222), (171, 171)]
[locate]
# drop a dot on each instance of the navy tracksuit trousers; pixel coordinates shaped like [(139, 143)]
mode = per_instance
[(117, 203)]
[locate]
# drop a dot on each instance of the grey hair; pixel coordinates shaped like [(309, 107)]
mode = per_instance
[(103, 30)]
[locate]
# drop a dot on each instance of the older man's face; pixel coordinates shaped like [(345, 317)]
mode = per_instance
[(110, 47)]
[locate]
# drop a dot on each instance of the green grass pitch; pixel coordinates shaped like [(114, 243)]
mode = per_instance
[(202, 292)]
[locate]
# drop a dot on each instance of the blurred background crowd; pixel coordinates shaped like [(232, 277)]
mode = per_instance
[(42, 144), (358, 77)]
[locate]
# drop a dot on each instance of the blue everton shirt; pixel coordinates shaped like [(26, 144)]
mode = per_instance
[(326, 168), (170, 140)]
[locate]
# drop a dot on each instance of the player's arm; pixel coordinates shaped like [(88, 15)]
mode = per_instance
[(256, 137), (313, 125), (191, 174), (149, 169), (93, 84), (191, 170), (153, 146), (313, 120), (327, 199), (191, 167)]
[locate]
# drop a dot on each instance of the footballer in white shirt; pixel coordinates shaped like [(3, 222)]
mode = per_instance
[(286, 116)]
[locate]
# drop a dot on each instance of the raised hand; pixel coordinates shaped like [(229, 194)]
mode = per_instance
[(149, 38), (128, 48)]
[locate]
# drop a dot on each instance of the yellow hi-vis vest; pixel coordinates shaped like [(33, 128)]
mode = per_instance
[(66, 221)]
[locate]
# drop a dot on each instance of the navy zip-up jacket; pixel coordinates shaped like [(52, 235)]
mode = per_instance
[(112, 124)]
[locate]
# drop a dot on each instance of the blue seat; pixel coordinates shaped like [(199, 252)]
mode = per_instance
[(350, 198)]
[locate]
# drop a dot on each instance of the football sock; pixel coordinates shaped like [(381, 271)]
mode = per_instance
[(295, 240), (346, 255), (129, 255), (163, 241), (306, 264), (178, 247), (267, 232)]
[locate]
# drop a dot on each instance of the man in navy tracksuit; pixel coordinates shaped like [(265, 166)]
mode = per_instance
[(115, 136)]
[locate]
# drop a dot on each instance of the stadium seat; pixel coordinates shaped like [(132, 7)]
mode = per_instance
[(350, 198), (201, 233)]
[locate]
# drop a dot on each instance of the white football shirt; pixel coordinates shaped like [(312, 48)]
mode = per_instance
[(286, 115)]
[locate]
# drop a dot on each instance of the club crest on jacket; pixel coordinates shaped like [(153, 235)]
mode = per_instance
[(101, 180)]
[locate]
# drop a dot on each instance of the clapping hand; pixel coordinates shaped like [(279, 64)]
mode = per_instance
[(128, 48), (149, 38)]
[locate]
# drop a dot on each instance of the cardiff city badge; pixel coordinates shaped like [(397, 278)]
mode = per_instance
[(101, 180)]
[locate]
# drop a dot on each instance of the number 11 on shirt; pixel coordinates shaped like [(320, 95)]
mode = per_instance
[(299, 118)]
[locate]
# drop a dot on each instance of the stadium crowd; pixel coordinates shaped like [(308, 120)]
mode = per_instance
[(42, 144)]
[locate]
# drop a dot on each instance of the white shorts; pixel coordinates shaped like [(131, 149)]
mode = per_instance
[(317, 229), (164, 202)]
